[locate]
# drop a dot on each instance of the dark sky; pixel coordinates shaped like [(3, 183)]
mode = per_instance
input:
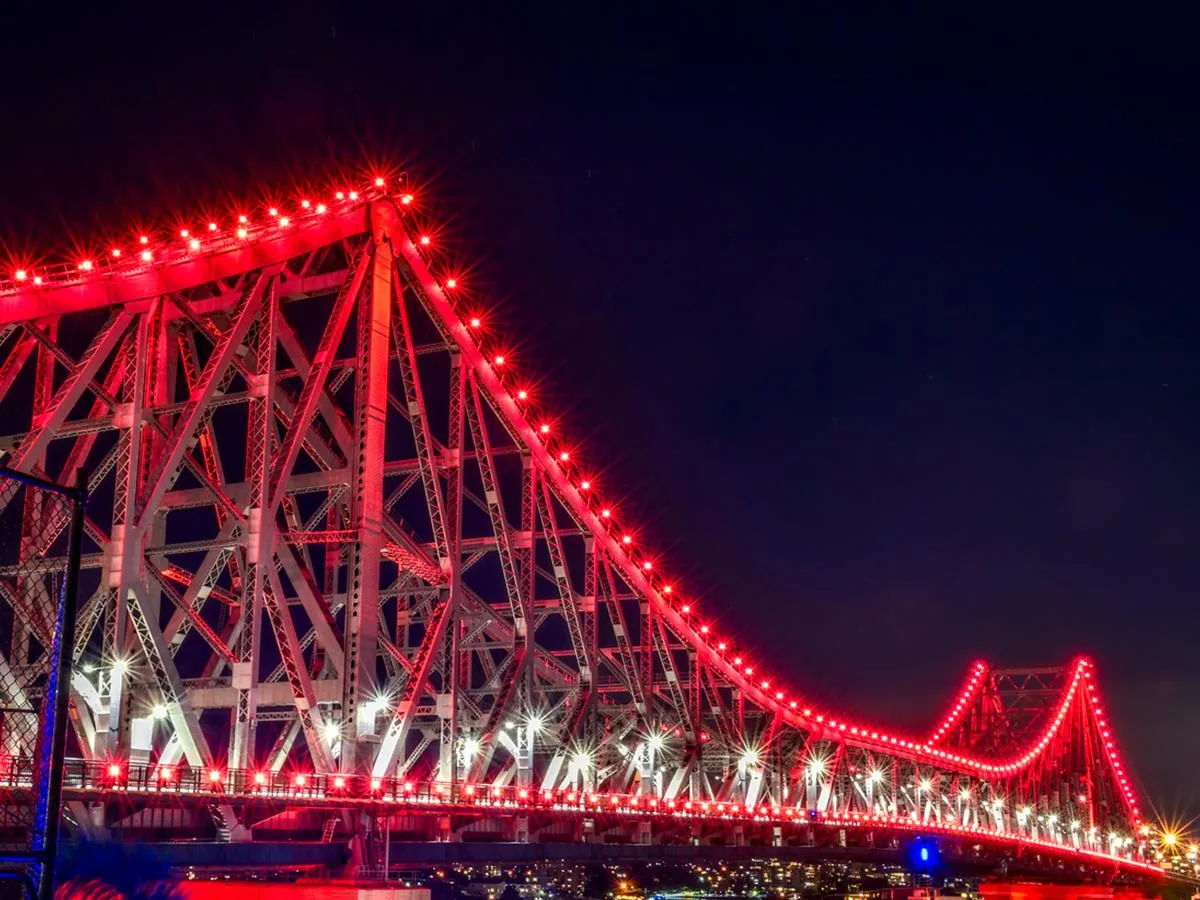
[(884, 324)]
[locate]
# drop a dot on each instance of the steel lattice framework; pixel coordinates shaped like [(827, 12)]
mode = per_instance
[(330, 534)]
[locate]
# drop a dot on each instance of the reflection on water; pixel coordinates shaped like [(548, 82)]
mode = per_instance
[(334, 890), (299, 890)]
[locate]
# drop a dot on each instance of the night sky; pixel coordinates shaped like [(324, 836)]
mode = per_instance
[(883, 326)]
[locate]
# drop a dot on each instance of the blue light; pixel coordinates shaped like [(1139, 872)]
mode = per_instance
[(924, 854)]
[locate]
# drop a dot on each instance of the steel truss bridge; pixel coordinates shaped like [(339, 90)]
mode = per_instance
[(341, 568)]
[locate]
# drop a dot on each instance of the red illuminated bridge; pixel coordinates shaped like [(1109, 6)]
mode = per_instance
[(343, 573)]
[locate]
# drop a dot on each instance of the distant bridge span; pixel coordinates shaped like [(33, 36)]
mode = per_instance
[(334, 536)]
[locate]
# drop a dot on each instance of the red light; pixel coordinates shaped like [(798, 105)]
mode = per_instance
[(499, 360), (721, 646), (749, 670), (704, 629), (299, 780), (585, 485), (647, 565), (407, 199), (606, 513), (667, 589), (685, 609), (242, 220), (339, 781), (114, 770), (212, 226), (20, 275), (376, 784), (284, 221), (379, 182), (452, 283), (475, 323), (766, 684), (340, 196), (321, 207), (523, 794), (143, 239), (270, 212), (164, 773), (214, 775), (305, 204), (425, 240), (469, 790), (545, 429), (116, 252), (194, 243), (184, 233), (564, 456), (627, 539), (147, 256), (522, 395), (260, 778), (85, 266), (242, 232), (37, 279), (354, 195), (408, 787), (737, 660)]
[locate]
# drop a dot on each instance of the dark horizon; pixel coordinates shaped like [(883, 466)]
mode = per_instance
[(880, 326)]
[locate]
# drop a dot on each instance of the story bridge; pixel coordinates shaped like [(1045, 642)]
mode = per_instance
[(342, 573)]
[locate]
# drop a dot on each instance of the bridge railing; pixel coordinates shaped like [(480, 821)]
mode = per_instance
[(146, 780)]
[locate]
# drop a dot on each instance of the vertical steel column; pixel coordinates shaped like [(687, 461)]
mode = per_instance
[(646, 659), (260, 532), (361, 638), (124, 543), (526, 570), (35, 506), (695, 749), (453, 522), (588, 619)]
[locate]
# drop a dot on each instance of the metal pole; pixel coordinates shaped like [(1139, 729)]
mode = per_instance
[(387, 846), (53, 742)]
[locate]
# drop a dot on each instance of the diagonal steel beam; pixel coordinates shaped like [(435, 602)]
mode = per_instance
[(77, 381), (315, 384), (179, 442)]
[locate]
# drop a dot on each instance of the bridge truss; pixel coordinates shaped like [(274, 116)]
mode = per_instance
[(331, 532)]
